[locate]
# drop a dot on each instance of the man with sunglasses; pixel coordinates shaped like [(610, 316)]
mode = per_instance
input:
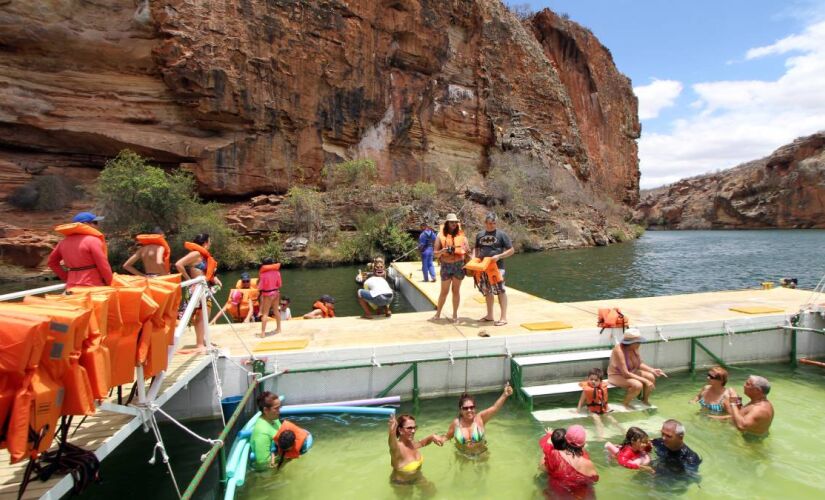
[(80, 259)]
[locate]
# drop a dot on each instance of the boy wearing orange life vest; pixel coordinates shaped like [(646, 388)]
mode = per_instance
[(594, 399), (83, 253), (153, 252)]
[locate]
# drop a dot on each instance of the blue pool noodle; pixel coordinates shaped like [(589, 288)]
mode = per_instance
[(240, 472), (352, 410)]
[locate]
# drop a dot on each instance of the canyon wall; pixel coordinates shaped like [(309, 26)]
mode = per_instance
[(783, 190)]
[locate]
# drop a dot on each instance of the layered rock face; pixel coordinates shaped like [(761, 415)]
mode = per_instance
[(254, 96), (783, 190)]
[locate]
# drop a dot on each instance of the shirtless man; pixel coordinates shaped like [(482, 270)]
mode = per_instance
[(756, 416), (153, 253)]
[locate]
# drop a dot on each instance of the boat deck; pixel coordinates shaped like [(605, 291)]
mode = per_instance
[(101, 432), (523, 308)]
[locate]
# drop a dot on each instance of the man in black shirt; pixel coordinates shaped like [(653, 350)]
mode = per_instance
[(494, 243), (673, 457)]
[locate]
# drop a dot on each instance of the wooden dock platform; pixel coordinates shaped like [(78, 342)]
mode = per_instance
[(101, 433)]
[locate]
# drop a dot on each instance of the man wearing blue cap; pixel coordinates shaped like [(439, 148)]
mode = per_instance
[(82, 253)]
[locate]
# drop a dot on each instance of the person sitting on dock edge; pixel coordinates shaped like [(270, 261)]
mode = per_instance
[(628, 371), (494, 243), (756, 417), (376, 292), (324, 307)]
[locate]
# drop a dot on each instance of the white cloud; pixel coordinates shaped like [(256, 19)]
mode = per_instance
[(656, 96), (736, 121)]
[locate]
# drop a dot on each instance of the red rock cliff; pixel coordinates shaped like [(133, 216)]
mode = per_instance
[(783, 190), (256, 95)]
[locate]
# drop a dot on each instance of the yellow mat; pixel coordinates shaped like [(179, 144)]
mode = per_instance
[(547, 325), (280, 345), (756, 309), (481, 300)]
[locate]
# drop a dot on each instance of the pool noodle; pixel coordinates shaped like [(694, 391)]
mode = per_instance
[(240, 475), (234, 458), (356, 402), (230, 490), (353, 410)]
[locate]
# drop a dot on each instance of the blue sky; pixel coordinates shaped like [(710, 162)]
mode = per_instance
[(719, 82)]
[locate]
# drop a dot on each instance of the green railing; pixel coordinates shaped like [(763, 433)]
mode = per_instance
[(218, 450)]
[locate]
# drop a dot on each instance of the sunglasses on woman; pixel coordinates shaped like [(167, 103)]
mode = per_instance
[(468, 408), (714, 376)]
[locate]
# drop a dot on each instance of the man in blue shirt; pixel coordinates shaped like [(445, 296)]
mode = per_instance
[(673, 457), (425, 246)]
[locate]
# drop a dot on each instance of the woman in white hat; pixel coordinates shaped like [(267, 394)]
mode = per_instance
[(450, 248), (626, 369)]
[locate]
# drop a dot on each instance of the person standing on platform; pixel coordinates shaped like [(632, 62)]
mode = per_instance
[(81, 259), (426, 242), (450, 249), (494, 243), (154, 253)]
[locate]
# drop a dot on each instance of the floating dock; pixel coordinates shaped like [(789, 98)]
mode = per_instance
[(353, 358)]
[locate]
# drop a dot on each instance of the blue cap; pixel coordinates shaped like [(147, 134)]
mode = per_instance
[(244, 276), (86, 217)]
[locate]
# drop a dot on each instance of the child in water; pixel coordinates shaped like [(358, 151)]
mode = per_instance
[(634, 452), (594, 398)]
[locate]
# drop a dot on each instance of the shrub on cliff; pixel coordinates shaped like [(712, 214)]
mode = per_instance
[(377, 233), (45, 193), (307, 205), (352, 173), (136, 197)]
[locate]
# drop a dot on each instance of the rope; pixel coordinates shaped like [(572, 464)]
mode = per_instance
[(160, 446), (192, 433), (817, 290), (223, 313)]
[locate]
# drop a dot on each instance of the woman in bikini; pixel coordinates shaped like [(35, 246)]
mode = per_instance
[(626, 369), (468, 427), (405, 456), (198, 262), (712, 396)]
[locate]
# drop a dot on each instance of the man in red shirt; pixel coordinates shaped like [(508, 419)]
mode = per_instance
[(82, 252)]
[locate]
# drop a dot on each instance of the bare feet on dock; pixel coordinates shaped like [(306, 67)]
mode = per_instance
[(365, 317), (193, 350)]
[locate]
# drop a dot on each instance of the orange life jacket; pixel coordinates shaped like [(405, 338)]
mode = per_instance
[(157, 239), (136, 308), (595, 397), (270, 267), (239, 311), (459, 242), (211, 263), (612, 318), (327, 309), (253, 283), (81, 228), (300, 437), (22, 337), (484, 269)]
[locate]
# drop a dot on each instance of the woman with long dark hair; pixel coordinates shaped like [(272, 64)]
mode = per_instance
[(199, 262), (468, 427), (405, 456)]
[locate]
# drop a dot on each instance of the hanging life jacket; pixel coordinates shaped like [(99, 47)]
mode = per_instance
[(81, 228), (159, 240), (485, 273), (595, 397), (211, 263), (612, 318), (327, 309), (300, 437)]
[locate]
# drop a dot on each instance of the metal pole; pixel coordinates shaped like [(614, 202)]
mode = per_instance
[(415, 389), (692, 356), (33, 291), (794, 361)]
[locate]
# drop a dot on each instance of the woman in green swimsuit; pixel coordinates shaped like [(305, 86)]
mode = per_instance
[(468, 427)]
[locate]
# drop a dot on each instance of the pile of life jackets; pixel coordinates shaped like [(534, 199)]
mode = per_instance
[(612, 318), (485, 273), (237, 302), (60, 353)]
